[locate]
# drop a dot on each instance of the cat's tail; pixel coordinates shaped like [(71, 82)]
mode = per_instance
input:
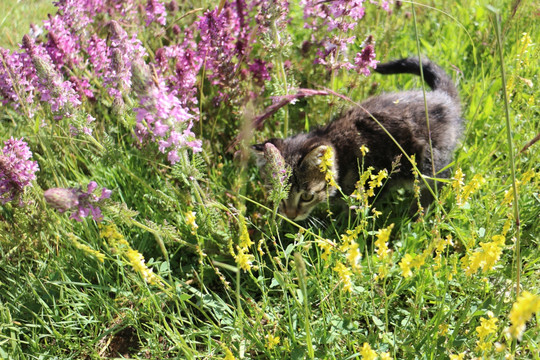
[(434, 76)]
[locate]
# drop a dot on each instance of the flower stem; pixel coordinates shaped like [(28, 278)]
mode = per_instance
[(510, 153)]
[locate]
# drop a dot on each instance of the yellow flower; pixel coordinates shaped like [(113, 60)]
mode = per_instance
[(525, 306), (327, 165), (272, 341), (382, 241), (344, 275), (473, 185), (244, 241), (190, 220), (136, 260), (364, 150), (405, 265), (228, 354), (458, 180), (353, 256), (244, 259), (326, 246), (367, 352), (443, 329), (87, 249), (458, 357), (487, 327), (486, 257)]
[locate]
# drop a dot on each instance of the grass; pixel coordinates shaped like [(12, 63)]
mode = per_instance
[(70, 290)]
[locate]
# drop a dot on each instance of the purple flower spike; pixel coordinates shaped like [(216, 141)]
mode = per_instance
[(366, 58), (16, 169), (85, 203)]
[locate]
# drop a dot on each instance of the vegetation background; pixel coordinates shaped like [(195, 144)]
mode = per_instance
[(224, 276)]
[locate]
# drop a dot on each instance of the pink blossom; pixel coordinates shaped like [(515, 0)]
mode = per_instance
[(86, 203), (16, 169)]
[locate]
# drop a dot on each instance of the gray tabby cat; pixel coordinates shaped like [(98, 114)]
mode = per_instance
[(403, 114)]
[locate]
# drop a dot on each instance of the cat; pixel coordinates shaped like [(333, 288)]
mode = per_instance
[(403, 114)]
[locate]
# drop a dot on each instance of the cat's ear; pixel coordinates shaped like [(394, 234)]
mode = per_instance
[(314, 157)]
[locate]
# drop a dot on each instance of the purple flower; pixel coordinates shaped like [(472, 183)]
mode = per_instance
[(18, 81), (16, 169), (259, 70), (366, 58), (52, 87), (161, 118), (155, 11), (86, 203)]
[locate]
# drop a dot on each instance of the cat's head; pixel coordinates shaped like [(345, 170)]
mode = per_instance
[(308, 184)]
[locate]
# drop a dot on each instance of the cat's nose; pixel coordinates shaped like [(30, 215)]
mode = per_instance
[(291, 213)]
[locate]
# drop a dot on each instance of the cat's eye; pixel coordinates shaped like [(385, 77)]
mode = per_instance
[(306, 197)]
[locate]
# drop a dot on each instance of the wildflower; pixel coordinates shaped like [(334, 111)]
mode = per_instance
[(473, 186), (272, 341), (443, 329), (525, 306), (155, 11), (16, 169), (86, 202), (278, 171), (244, 241), (228, 354), (367, 352), (457, 183), (366, 58), (326, 246), (485, 257), (405, 265), (136, 260), (364, 150), (87, 249), (327, 167), (54, 90), (486, 328), (244, 260), (190, 220), (382, 241), (460, 356), (344, 275)]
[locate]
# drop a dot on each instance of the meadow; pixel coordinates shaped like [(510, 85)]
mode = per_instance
[(134, 222)]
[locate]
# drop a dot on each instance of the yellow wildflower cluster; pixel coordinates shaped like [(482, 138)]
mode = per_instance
[(349, 246), (441, 244), (228, 354), (272, 341), (368, 353), (525, 306), (485, 257), (382, 242), (487, 327), (344, 275), (327, 167), (383, 253), (190, 220), (463, 193), (243, 258), (87, 249), (376, 181), (509, 194), (364, 150), (134, 258), (409, 262)]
